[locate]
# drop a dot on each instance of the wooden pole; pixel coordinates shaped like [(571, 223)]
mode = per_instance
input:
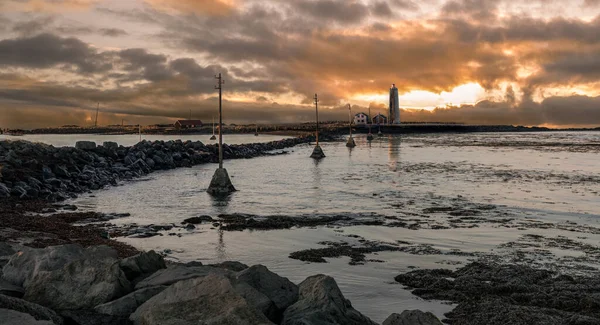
[(220, 121), (317, 111)]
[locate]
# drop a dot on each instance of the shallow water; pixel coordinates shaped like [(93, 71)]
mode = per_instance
[(540, 191)]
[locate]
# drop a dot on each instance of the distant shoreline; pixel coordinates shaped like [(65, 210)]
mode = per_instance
[(305, 129)]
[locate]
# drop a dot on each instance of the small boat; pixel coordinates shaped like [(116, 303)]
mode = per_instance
[(213, 135)]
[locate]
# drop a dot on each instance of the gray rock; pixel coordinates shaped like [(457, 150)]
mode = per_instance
[(322, 303), (10, 289), (110, 145), (27, 263), (6, 249), (178, 273), (38, 312), (280, 290), (85, 145), (412, 317), (142, 265), (206, 300), (126, 305), (90, 317), (257, 300), (82, 284), (231, 265), (4, 190), (11, 317)]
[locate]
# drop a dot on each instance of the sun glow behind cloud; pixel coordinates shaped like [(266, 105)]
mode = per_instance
[(464, 94)]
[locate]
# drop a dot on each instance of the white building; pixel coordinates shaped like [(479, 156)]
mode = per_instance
[(361, 119), (394, 110)]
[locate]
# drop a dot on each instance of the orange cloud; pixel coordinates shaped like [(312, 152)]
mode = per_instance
[(46, 5), (202, 7)]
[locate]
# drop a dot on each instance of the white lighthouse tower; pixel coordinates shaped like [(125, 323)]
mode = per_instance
[(394, 110)]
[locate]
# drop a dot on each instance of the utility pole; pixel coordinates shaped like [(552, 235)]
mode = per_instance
[(220, 183), (317, 110), (317, 151), (370, 135), (219, 86), (350, 143), (96, 122)]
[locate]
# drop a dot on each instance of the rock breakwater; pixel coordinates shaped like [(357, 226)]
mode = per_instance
[(35, 170)]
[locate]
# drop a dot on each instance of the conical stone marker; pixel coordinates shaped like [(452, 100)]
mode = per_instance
[(220, 183), (350, 143), (317, 153)]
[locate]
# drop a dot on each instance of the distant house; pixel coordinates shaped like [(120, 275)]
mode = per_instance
[(361, 119), (188, 124), (380, 119)]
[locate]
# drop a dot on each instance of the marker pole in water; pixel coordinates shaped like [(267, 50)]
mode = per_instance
[(350, 143), (317, 152), (220, 183)]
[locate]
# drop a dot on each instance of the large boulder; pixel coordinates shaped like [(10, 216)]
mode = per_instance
[(126, 305), (280, 290), (91, 317), (6, 251), (4, 190), (178, 273), (322, 303), (11, 317), (38, 312), (110, 145), (208, 300), (27, 263), (412, 317), (142, 265), (9, 289), (82, 284), (85, 145)]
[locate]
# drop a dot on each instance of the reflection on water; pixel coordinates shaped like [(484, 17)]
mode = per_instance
[(375, 178), (394, 143)]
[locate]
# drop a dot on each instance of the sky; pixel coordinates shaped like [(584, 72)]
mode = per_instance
[(533, 62)]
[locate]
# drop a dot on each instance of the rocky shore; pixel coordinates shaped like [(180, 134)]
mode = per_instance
[(70, 284), (498, 294), (34, 170)]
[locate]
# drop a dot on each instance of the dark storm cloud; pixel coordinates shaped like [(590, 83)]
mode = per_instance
[(112, 32), (33, 26), (47, 51), (341, 11), (557, 110), (381, 9), (474, 9), (144, 65)]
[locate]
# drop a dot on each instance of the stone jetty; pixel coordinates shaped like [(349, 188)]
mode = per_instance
[(70, 284), (35, 170)]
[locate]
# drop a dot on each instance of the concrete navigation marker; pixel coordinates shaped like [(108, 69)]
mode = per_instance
[(220, 183)]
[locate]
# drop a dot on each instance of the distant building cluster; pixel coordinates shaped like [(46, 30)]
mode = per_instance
[(188, 124), (393, 116)]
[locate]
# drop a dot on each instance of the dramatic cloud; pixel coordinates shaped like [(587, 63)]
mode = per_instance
[(483, 61)]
